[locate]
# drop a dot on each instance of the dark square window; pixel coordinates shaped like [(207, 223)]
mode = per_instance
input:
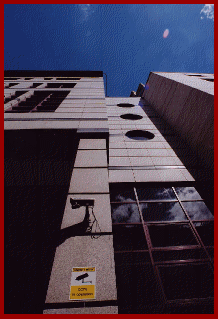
[(11, 79), (197, 210), (162, 212), (209, 80), (179, 254), (70, 79), (136, 288), (171, 235), (187, 281), (35, 85), (13, 96), (54, 85), (210, 251), (125, 213), (133, 258), (68, 85), (155, 193), (12, 84), (129, 237), (206, 232)]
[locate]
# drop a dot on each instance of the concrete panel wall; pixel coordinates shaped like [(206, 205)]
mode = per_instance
[(187, 105), (89, 180), (139, 161), (83, 108)]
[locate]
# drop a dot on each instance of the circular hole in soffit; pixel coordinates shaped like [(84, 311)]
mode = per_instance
[(131, 116), (125, 105), (140, 135)]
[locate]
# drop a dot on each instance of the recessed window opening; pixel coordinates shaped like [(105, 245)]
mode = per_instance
[(70, 79), (52, 102), (30, 103), (10, 85), (35, 85), (140, 135), (40, 101), (125, 105), (194, 75), (11, 79), (132, 117), (209, 80), (28, 78), (14, 96), (60, 85)]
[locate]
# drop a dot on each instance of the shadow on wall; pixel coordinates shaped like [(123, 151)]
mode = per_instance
[(204, 176), (38, 168)]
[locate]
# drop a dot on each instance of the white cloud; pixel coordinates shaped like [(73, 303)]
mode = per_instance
[(187, 193), (126, 213), (86, 10), (208, 11)]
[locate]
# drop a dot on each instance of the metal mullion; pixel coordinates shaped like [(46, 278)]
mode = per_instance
[(189, 301), (192, 200), (148, 239), (165, 222), (131, 251), (159, 201), (203, 221), (180, 262), (199, 262), (197, 236), (124, 224), (170, 248)]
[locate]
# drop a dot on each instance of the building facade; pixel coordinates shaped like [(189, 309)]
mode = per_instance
[(133, 163)]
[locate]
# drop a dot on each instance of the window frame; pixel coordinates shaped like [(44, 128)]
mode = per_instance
[(199, 247)]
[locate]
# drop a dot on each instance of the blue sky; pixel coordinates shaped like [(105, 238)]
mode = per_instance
[(123, 40)]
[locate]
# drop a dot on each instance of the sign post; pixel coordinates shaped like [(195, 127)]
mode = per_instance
[(83, 281)]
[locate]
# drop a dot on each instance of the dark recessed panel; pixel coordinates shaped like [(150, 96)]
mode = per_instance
[(171, 235), (129, 237), (60, 85), (206, 232), (137, 289), (10, 79), (187, 281), (132, 258), (68, 79), (181, 254), (35, 85), (125, 105), (132, 117)]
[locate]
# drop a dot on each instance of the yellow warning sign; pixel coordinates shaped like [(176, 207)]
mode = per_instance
[(83, 269), (83, 280), (82, 292)]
